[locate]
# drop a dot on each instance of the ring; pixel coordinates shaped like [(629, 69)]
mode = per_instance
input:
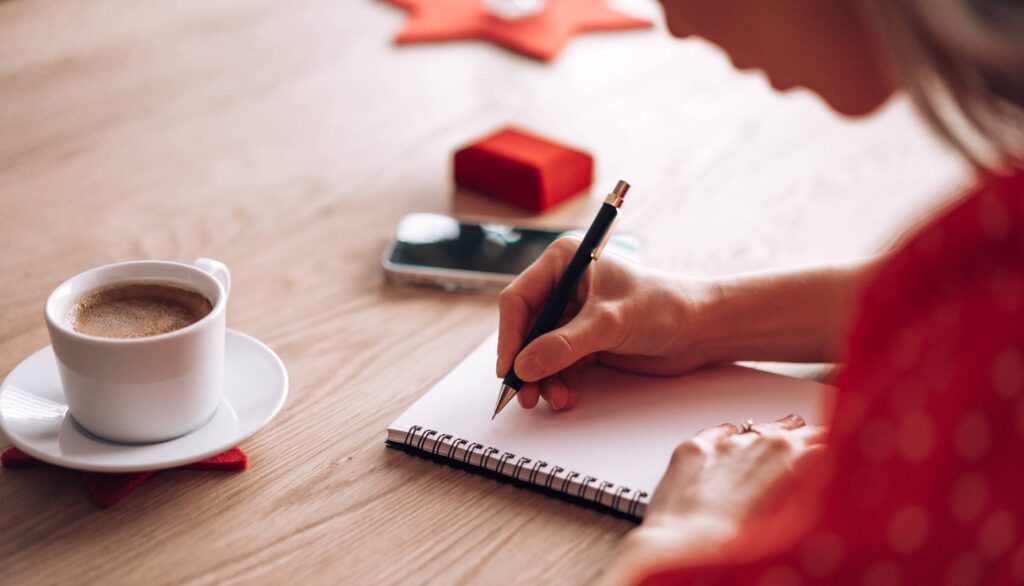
[(748, 427)]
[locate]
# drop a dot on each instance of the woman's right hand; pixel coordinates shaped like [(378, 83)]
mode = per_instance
[(623, 315)]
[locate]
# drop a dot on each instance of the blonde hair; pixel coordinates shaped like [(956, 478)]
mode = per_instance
[(962, 64)]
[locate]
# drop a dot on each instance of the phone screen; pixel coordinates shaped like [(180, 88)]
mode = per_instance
[(433, 240)]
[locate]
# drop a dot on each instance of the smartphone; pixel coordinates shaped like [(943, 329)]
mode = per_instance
[(441, 251)]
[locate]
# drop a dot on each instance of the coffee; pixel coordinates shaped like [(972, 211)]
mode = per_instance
[(136, 309)]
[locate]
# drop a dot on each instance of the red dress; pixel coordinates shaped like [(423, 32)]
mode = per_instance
[(927, 443)]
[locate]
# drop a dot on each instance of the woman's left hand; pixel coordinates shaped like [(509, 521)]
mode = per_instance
[(716, 482)]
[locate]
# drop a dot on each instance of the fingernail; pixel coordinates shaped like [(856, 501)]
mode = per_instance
[(528, 367), (558, 399)]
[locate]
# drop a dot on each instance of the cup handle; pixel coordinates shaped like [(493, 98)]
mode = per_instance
[(216, 268)]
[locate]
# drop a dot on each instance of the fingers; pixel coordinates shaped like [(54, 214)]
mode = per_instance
[(787, 423), (555, 392), (528, 395), (792, 421), (525, 296), (563, 347), (713, 435), (571, 378), (513, 315), (561, 391), (780, 436)]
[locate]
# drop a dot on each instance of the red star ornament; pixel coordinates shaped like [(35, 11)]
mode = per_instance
[(541, 36)]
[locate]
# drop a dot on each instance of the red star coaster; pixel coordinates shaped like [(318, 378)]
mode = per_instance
[(541, 36), (107, 489)]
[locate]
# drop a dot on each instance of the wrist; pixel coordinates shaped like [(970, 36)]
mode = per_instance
[(724, 312), (698, 326)]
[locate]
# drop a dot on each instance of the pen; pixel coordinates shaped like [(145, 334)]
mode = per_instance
[(590, 249)]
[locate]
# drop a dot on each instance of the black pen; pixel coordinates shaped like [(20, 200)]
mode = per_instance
[(590, 249)]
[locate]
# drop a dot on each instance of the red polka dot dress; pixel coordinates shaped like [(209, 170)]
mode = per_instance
[(926, 479)]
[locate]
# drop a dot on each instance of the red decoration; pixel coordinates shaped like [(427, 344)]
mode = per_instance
[(541, 36), (523, 169), (106, 489)]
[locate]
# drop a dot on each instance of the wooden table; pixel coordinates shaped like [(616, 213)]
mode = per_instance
[(286, 139)]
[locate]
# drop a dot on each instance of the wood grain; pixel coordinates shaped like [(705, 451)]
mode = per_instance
[(286, 139)]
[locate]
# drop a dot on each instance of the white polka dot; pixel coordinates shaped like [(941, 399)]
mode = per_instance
[(1008, 373), (917, 437), (972, 437), (997, 535), (821, 554), (966, 569), (881, 574), (877, 439), (780, 576), (967, 497), (908, 529), (993, 218)]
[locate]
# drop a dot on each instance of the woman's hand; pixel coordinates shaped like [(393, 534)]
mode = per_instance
[(623, 315), (637, 319), (718, 483)]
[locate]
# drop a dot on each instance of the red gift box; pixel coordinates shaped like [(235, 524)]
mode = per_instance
[(524, 169)]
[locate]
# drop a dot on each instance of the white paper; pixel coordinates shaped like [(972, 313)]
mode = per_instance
[(621, 433)]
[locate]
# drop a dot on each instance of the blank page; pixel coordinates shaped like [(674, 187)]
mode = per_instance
[(614, 446)]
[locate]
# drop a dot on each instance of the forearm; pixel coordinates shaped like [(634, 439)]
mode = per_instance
[(793, 316)]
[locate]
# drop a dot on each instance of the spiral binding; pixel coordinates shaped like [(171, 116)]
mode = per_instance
[(572, 483)]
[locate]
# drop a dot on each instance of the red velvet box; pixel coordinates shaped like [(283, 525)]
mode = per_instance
[(523, 169)]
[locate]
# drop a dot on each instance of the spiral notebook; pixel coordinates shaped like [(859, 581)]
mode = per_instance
[(611, 450)]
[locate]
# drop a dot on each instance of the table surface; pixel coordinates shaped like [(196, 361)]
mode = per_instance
[(286, 139)]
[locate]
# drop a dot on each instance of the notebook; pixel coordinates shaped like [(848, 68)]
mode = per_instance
[(612, 449)]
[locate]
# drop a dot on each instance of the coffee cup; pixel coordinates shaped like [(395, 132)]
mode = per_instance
[(149, 388)]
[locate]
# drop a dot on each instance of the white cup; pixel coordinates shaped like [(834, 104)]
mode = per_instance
[(149, 389)]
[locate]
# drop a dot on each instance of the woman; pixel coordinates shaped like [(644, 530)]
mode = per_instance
[(919, 479)]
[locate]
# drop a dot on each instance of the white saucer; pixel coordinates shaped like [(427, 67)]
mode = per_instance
[(33, 414)]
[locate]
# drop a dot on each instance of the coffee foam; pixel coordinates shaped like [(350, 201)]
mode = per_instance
[(137, 309)]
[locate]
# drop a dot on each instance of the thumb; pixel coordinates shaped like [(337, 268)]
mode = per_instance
[(559, 349)]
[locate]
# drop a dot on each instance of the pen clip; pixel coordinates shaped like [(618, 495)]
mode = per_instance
[(604, 240)]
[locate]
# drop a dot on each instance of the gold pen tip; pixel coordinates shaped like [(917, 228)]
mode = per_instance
[(505, 396)]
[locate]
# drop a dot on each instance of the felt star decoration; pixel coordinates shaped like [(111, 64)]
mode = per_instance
[(541, 36), (107, 489)]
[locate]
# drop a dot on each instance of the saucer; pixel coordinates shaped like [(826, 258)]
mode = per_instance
[(34, 417)]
